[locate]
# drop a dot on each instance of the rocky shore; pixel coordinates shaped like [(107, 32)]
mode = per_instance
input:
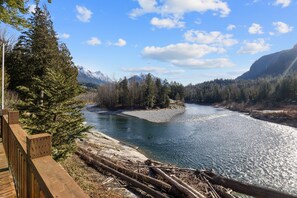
[(157, 115), (285, 115), (97, 182), (152, 115)]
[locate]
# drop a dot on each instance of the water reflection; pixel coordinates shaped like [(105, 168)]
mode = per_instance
[(231, 143)]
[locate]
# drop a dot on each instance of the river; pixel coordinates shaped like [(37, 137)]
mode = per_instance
[(231, 143)]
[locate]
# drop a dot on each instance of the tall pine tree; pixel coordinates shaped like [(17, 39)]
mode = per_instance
[(48, 86)]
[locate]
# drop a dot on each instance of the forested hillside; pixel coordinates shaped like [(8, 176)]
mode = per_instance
[(264, 91), (272, 65)]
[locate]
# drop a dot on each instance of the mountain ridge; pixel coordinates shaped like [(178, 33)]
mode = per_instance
[(87, 77), (275, 64)]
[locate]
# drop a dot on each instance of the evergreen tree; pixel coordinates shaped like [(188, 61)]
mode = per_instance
[(53, 112), (12, 13), (124, 93), (36, 49), (48, 86), (149, 94), (158, 92)]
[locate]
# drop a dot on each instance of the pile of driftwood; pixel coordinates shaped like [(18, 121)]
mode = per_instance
[(159, 180)]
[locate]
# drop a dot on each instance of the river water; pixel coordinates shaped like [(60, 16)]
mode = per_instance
[(230, 143)]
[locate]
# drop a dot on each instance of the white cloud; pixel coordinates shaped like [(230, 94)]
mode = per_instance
[(83, 14), (93, 41), (282, 27), (254, 47), (179, 51), (32, 8), (156, 70), (121, 42), (179, 8), (187, 55), (231, 27), (203, 63), (283, 3), (215, 38), (63, 36), (167, 23), (255, 29)]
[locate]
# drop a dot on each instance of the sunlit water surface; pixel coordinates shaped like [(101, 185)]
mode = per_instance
[(231, 143)]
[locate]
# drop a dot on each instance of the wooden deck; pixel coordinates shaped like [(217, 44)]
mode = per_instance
[(7, 188)]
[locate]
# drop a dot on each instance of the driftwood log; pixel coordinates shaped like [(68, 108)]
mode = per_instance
[(188, 186), (138, 176), (89, 160), (244, 188), (222, 192), (174, 183)]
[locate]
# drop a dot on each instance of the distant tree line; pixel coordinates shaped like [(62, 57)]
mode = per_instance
[(149, 93), (264, 90)]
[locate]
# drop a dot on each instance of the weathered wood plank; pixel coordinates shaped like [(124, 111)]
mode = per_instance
[(7, 188), (3, 159), (34, 171), (55, 180)]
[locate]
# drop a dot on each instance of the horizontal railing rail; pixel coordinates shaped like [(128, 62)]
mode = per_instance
[(34, 171)]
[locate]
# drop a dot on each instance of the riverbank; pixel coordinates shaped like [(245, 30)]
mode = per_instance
[(157, 115), (152, 115), (97, 182), (285, 115), (101, 183)]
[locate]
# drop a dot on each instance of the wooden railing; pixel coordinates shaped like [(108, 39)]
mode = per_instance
[(34, 171)]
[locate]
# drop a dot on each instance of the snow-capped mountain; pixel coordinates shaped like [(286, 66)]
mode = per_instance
[(140, 78), (87, 77)]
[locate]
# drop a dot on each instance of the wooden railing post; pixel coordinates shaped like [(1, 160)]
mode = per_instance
[(13, 117), (34, 171), (4, 112), (38, 145)]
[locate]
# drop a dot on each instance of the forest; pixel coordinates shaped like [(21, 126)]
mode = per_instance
[(149, 93), (264, 91)]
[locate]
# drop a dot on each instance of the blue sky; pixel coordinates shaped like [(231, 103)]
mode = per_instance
[(189, 41)]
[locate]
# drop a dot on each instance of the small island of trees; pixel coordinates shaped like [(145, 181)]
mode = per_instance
[(149, 93)]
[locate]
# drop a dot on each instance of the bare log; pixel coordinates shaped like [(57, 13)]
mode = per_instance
[(138, 176), (188, 186), (222, 192), (244, 188), (174, 183), (130, 180)]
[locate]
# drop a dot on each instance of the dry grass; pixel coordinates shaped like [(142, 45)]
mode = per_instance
[(90, 180)]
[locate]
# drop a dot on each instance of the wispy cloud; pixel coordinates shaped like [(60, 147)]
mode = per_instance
[(254, 47), (83, 14), (283, 3), (231, 27), (187, 55), (179, 51), (154, 70), (63, 36), (179, 8), (93, 41), (282, 27), (215, 38), (120, 43), (167, 23), (256, 29)]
